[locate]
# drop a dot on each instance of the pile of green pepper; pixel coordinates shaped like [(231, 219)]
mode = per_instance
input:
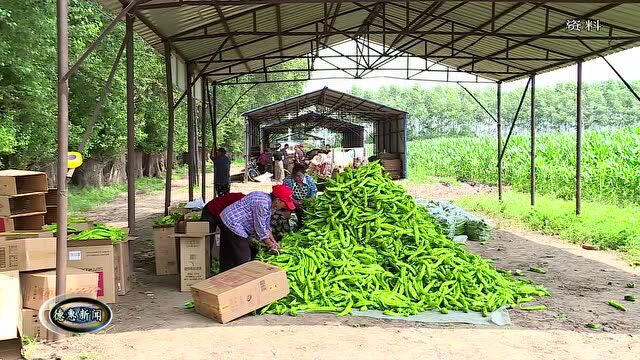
[(99, 232), (365, 244)]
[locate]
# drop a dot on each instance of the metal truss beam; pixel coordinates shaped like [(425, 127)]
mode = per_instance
[(537, 37)]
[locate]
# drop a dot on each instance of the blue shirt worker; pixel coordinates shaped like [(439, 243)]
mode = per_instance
[(247, 218), (302, 186), (222, 175)]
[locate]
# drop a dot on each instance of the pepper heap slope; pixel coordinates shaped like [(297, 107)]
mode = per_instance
[(366, 244)]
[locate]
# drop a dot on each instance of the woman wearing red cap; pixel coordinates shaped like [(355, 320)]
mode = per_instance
[(250, 217)]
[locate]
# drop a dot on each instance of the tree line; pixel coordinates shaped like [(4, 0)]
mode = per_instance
[(28, 102), (451, 111)]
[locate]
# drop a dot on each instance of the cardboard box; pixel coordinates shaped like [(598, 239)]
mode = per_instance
[(96, 256), (239, 291), (9, 305), (21, 223), (194, 259), (193, 228), (27, 254), (197, 228), (11, 349), (33, 328), (25, 235), (51, 217), (38, 287), (51, 197), (14, 182), (122, 268), (21, 205), (166, 252)]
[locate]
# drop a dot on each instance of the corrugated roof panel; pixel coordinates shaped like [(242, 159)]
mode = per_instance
[(157, 24)]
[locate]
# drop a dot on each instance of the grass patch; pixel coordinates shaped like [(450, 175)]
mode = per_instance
[(179, 172), (87, 198), (607, 226)]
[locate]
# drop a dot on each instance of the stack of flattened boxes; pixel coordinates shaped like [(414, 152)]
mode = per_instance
[(22, 200)]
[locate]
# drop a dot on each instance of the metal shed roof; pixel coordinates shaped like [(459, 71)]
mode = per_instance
[(326, 102), (312, 120), (496, 40)]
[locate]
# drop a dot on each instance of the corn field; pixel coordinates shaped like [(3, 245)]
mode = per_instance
[(610, 163)]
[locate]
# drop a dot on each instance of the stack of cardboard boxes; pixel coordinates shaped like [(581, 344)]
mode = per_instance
[(184, 249), (96, 269)]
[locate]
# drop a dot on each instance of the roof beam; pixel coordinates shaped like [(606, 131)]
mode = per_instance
[(279, 27), (203, 27), (491, 21), (539, 36), (459, 57), (583, 57), (332, 21), (399, 49), (353, 33), (250, 42), (225, 24), (421, 19), (493, 29), (143, 19), (504, 36), (569, 13), (181, 3)]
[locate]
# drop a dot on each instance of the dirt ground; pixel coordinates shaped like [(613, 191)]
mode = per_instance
[(149, 322)]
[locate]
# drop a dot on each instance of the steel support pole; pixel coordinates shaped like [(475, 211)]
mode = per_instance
[(171, 127), (63, 144), (499, 129), (214, 128), (247, 150), (579, 140), (190, 133), (203, 139), (131, 129), (532, 185)]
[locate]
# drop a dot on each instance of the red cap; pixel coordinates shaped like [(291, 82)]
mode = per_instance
[(285, 194)]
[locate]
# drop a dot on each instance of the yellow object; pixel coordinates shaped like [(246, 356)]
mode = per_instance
[(74, 160)]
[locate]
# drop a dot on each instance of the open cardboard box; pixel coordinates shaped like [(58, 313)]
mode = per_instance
[(21, 223), (15, 182), (22, 205)]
